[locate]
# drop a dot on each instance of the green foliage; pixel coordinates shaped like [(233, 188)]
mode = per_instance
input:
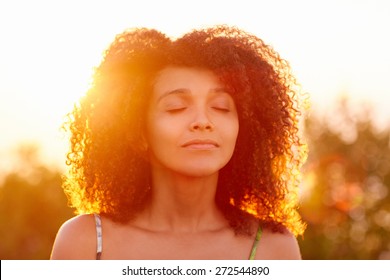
[(32, 208), (345, 196), (346, 200)]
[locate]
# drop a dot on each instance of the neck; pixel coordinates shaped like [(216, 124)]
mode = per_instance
[(183, 204)]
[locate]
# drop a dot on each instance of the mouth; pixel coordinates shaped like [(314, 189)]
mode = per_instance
[(200, 144)]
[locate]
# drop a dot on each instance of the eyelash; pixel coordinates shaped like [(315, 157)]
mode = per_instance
[(223, 109), (178, 110)]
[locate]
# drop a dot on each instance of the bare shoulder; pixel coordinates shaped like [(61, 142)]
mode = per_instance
[(278, 246), (76, 239)]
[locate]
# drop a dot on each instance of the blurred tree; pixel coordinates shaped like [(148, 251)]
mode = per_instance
[(345, 198), (32, 208)]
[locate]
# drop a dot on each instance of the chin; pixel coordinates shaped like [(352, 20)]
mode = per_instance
[(199, 174), (201, 170)]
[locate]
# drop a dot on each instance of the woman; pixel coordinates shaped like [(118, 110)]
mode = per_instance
[(185, 149)]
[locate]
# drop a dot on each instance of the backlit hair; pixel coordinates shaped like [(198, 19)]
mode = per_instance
[(109, 171)]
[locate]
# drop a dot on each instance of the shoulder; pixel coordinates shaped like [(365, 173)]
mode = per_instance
[(278, 246), (76, 239)]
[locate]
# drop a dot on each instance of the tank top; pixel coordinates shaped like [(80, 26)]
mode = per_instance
[(99, 239)]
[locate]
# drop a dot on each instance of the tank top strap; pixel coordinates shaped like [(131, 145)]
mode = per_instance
[(99, 238), (255, 242)]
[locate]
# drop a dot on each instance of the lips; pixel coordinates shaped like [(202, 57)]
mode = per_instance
[(200, 144)]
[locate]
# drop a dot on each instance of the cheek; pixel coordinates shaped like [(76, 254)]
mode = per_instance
[(234, 133), (161, 134), (230, 129)]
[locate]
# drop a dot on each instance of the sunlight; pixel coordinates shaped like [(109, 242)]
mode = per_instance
[(49, 49), (48, 69), (336, 49)]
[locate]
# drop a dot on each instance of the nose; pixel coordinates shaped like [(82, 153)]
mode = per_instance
[(201, 122)]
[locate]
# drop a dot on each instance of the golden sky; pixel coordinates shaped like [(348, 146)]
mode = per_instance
[(48, 49)]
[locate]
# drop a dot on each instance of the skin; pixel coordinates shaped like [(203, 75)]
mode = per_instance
[(192, 127)]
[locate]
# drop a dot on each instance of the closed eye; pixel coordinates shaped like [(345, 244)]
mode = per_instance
[(176, 110), (223, 109), (222, 102)]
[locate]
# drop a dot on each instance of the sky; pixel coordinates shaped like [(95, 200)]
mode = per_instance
[(49, 48)]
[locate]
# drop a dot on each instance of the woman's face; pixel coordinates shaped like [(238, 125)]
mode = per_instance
[(192, 122)]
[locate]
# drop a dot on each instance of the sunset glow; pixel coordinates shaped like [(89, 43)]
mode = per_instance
[(337, 49), (49, 49)]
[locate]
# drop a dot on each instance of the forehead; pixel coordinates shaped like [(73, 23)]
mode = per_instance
[(174, 77)]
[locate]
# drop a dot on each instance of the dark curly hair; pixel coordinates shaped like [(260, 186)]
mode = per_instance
[(109, 171)]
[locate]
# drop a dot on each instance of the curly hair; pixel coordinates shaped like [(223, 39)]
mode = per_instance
[(109, 171)]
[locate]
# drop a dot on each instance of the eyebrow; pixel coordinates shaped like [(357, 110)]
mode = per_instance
[(179, 91), (184, 91), (220, 90)]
